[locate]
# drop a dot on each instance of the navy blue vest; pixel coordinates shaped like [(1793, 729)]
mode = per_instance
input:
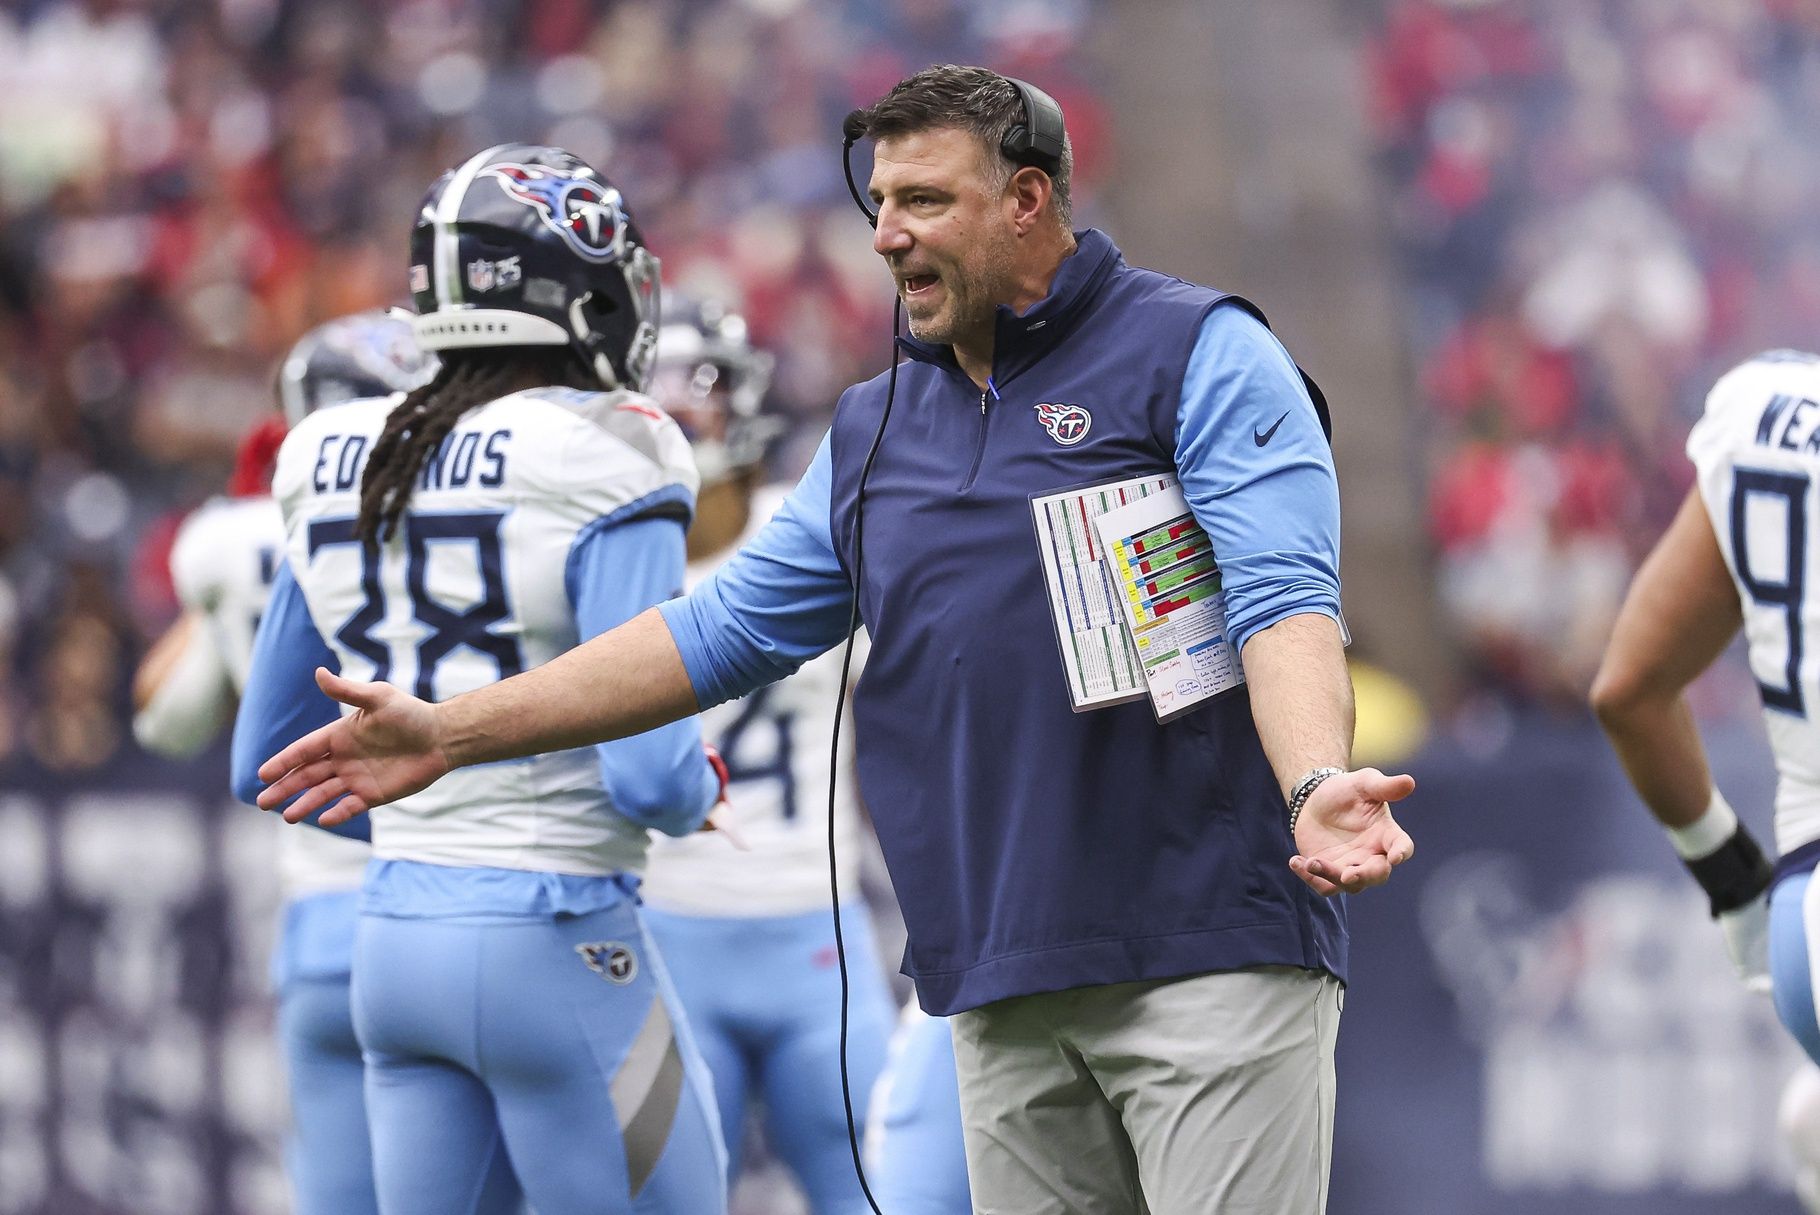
[(1033, 848)]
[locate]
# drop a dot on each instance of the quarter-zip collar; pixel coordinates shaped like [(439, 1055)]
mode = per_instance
[(1020, 341)]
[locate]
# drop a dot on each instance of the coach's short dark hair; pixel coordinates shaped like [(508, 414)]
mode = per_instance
[(972, 99)]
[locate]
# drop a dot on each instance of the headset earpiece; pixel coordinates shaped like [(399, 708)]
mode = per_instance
[(1039, 140)]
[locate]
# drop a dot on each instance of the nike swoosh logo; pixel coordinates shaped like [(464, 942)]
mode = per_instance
[(1261, 438)]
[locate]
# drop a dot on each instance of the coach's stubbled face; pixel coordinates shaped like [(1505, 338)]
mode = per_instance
[(945, 229)]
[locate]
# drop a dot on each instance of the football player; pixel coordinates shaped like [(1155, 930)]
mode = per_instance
[(222, 567), (915, 1159), (516, 1022), (1741, 552), (747, 934)]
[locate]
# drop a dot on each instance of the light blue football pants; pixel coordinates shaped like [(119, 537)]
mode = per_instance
[(546, 1050), (763, 1000), (328, 1158), (915, 1158), (1789, 967)]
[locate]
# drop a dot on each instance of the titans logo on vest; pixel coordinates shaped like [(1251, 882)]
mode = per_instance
[(611, 959), (1066, 424), (585, 213)]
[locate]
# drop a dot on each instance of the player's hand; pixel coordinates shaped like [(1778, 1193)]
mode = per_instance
[(388, 748), (1346, 840), (720, 822), (1746, 932), (720, 815)]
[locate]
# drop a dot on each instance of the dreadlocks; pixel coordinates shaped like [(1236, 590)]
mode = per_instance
[(418, 424)]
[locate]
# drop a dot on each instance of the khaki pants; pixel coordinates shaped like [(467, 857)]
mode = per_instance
[(1191, 1096)]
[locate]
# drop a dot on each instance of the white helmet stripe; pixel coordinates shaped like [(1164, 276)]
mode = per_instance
[(446, 274)]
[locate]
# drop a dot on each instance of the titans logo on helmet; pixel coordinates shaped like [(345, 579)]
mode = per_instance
[(588, 215)]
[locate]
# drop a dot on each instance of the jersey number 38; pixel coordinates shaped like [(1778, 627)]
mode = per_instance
[(449, 628)]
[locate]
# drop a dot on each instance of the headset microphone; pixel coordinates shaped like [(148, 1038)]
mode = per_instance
[(852, 130)]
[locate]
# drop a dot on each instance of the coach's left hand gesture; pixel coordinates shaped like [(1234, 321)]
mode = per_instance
[(1346, 839)]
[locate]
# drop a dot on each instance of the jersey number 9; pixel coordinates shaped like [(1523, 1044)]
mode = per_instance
[(1788, 593)]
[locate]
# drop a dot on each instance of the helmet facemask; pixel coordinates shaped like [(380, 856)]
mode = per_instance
[(713, 382), (597, 321)]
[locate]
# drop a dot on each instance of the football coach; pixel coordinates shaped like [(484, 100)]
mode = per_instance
[(1130, 924)]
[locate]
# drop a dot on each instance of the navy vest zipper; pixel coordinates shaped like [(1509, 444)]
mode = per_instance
[(979, 450)]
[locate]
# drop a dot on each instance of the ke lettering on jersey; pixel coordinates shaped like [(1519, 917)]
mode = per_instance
[(1791, 423)]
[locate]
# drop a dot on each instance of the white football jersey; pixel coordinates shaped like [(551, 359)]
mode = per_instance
[(471, 589), (222, 565), (775, 744), (1756, 451)]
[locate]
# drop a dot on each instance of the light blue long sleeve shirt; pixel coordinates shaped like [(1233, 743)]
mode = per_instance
[(1254, 465)]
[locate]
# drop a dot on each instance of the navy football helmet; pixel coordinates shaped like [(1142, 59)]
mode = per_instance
[(525, 245), (366, 354), (712, 380)]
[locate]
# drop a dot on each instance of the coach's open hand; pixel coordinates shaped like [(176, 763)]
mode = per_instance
[(388, 748), (1346, 839)]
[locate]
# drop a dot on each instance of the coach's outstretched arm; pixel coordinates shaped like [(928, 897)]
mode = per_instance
[(1301, 699), (783, 599), (623, 682), (1271, 506)]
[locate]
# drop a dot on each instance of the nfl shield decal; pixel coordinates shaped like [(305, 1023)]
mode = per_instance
[(612, 960), (485, 275), (588, 215), (1066, 424)]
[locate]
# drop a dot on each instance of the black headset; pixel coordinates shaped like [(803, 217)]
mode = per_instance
[(1038, 141)]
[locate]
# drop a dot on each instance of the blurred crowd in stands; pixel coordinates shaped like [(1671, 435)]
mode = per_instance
[(188, 185), (1600, 207)]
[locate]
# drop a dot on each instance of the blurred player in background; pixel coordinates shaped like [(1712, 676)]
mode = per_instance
[(747, 934), (517, 1025), (1741, 551), (915, 1157), (222, 566)]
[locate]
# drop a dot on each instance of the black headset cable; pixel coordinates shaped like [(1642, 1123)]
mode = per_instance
[(834, 772)]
